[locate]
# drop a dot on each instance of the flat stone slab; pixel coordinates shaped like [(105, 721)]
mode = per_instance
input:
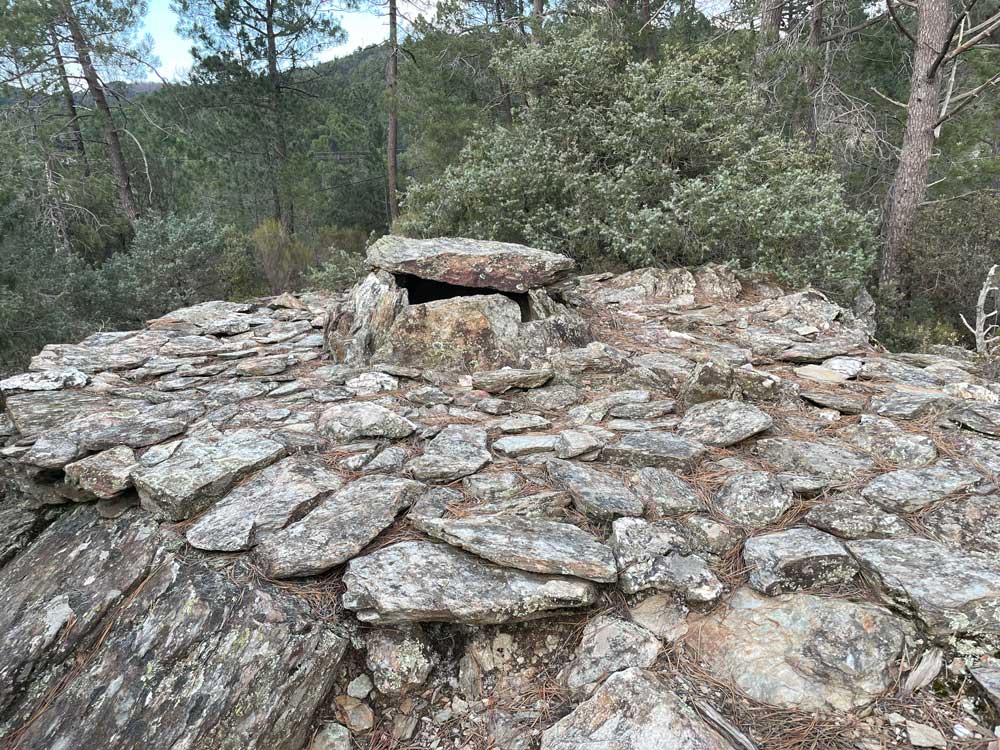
[(515, 446), (457, 451), (263, 505), (753, 498), (909, 490), (795, 559), (196, 659), (338, 528), (723, 422), (972, 523), (633, 710), (801, 651), (829, 461), (594, 493), (503, 266), (988, 677), (950, 591), (661, 449), (199, 472), (850, 517), (882, 439), (609, 645), (423, 581), (355, 420), (534, 545), (663, 493), (46, 380), (501, 381), (104, 474)]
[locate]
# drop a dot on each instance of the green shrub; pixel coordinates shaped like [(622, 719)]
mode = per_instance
[(615, 161), (282, 259)]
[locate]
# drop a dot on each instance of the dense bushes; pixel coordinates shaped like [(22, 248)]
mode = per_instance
[(614, 161)]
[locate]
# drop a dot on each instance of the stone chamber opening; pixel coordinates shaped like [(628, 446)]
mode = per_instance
[(420, 291)]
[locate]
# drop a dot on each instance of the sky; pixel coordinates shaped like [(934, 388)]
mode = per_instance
[(363, 28)]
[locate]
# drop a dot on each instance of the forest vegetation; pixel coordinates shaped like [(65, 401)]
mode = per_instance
[(847, 144)]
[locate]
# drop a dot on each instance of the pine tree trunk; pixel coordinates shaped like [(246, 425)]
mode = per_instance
[(771, 13), (119, 167), (69, 102), (646, 37), (284, 211), (537, 16), (812, 71), (909, 184), (392, 165)]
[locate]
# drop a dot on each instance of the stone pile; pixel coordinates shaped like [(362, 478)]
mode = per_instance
[(475, 502)]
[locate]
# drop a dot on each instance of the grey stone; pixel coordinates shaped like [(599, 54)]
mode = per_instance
[(400, 659), (984, 418), (830, 461), (911, 404), (457, 451), (988, 677), (710, 380), (428, 395), (753, 498), (723, 423), (844, 402), (360, 687), (337, 528), (332, 736), (262, 366), (851, 517), (421, 581), (647, 410), (949, 591), (922, 735), (104, 474), (46, 380), (795, 559), (493, 486), (886, 442), (801, 651), (909, 490), (200, 471), (971, 523), (609, 645), (347, 422), (661, 615), (501, 381), (663, 493), (209, 318), (495, 406), (633, 710), (573, 443), (534, 545), (503, 266), (660, 449), (264, 504), (518, 423), (515, 446), (594, 493)]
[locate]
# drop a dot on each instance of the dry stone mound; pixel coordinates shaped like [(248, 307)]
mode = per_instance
[(475, 502)]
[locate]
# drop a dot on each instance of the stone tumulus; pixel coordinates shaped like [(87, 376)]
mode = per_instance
[(477, 502)]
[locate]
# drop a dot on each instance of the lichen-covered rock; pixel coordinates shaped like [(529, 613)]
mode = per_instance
[(350, 421), (794, 559), (909, 490), (421, 581), (104, 474), (826, 460), (883, 440), (534, 545), (609, 645), (457, 451), (594, 493), (801, 651), (634, 710), (256, 509), (399, 659), (653, 448), (850, 517), (753, 498), (663, 493), (949, 591), (260, 674), (198, 472), (501, 381), (970, 523), (338, 527), (723, 423), (503, 266)]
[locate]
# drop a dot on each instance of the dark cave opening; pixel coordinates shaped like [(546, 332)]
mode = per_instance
[(421, 290)]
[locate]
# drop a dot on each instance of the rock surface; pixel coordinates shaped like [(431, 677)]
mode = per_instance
[(420, 581), (627, 458)]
